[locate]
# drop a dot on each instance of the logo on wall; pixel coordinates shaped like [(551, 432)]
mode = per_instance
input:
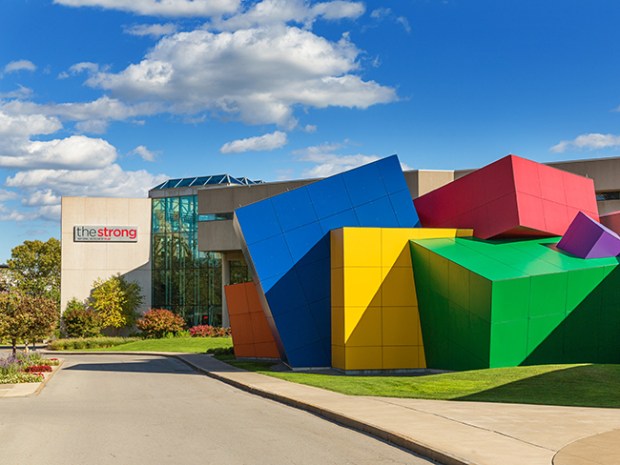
[(105, 234)]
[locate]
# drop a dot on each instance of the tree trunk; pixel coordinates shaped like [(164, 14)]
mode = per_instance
[(14, 344)]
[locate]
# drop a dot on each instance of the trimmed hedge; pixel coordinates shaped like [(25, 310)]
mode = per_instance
[(89, 343)]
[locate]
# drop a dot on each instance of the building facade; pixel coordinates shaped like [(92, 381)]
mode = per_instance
[(91, 251), (186, 249)]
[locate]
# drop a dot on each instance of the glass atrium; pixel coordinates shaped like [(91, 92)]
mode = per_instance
[(184, 279)]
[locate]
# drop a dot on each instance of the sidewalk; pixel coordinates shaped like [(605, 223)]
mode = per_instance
[(448, 431)]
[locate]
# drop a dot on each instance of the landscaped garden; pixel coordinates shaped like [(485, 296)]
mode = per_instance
[(182, 343), (160, 331), (25, 368)]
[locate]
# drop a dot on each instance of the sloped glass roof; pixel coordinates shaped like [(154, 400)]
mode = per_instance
[(224, 179)]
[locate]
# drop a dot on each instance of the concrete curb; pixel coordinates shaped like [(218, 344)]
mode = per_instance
[(396, 439), (46, 379), (343, 420)]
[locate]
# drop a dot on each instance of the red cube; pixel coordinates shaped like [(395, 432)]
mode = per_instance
[(512, 197)]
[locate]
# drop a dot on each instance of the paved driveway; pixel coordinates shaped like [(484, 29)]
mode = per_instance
[(134, 410)]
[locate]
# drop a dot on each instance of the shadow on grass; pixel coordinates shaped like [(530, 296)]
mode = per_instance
[(584, 386)]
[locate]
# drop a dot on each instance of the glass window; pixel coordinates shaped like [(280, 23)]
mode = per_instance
[(608, 196), (184, 279), (239, 272), (216, 216)]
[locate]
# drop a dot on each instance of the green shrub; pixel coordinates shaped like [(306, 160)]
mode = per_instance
[(221, 351), (89, 343), (80, 321), (158, 323)]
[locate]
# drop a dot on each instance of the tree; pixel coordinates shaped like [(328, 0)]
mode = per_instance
[(26, 318), (35, 267), (116, 301), (80, 321)]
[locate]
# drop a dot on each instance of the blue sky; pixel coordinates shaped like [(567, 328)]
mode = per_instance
[(109, 97)]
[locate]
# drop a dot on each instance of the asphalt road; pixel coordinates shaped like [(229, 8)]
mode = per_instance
[(138, 410)]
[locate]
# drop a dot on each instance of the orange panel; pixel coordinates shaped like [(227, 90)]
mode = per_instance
[(241, 329), (260, 327), (245, 350), (266, 350), (252, 337), (236, 298), (251, 293)]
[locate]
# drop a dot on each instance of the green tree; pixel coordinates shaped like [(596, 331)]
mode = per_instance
[(80, 321), (116, 301), (35, 268), (26, 318)]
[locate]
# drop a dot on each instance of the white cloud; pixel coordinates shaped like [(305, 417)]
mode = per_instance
[(257, 75), (172, 8), (270, 12), (404, 22), (380, 13), (12, 126), (7, 214), (46, 170), (20, 65), (386, 14), (20, 93), (78, 152), (41, 198), (86, 67), (42, 189), (339, 9), (310, 128), (7, 195), (592, 141), (143, 153), (328, 162), (93, 126), (266, 142), (110, 181), (94, 116), (151, 30)]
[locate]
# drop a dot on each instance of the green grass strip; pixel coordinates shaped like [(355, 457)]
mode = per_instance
[(582, 385)]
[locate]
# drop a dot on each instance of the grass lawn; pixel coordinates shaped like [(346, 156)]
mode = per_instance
[(571, 385), (173, 344)]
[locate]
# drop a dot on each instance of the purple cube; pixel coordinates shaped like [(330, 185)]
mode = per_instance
[(587, 238)]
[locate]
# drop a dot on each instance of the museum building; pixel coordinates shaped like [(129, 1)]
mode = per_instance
[(180, 244)]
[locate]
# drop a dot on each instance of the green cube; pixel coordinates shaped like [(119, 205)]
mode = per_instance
[(486, 304)]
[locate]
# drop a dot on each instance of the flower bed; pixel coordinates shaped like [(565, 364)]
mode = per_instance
[(25, 368), (208, 331)]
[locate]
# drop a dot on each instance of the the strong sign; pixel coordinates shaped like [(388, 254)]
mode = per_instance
[(105, 234)]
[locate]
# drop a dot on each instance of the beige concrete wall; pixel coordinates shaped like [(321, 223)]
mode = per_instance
[(608, 206), (84, 262), (421, 182), (429, 180), (229, 198), (604, 171), (217, 236)]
